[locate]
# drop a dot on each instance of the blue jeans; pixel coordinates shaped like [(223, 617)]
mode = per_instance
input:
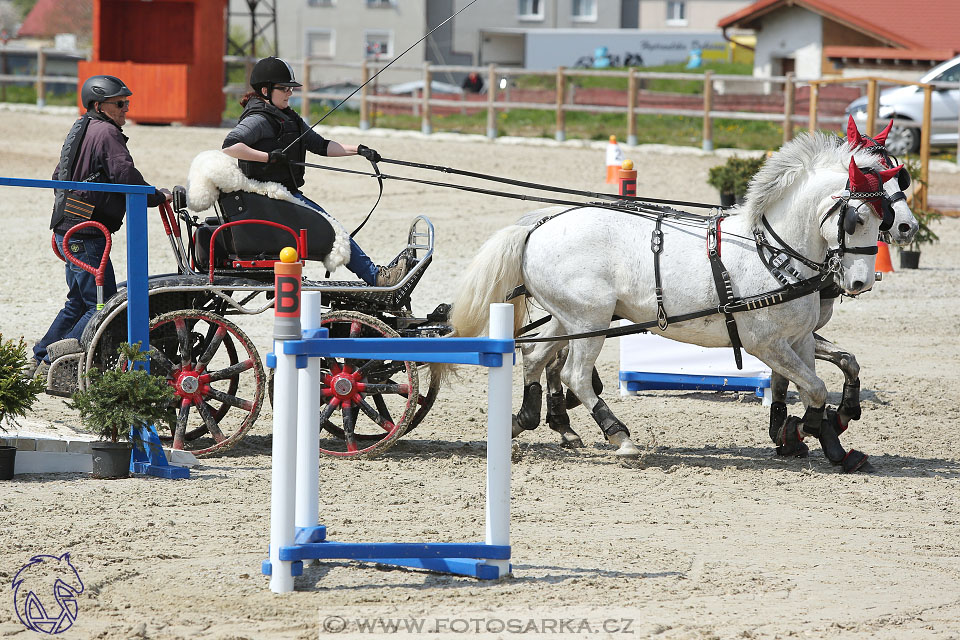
[(81, 301), (360, 263)]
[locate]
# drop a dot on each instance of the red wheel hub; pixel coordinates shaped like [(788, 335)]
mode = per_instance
[(345, 385), (189, 384)]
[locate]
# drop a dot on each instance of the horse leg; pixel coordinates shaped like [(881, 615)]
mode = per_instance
[(576, 375), (557, 417), (535, 357), (849, 408), (786, 439), (796, 362)]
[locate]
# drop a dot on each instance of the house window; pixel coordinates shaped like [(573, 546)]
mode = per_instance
[(585, 10), (378, 44), (320, 43), (319, 3), (530, 10), (381, 3), (676, 13)]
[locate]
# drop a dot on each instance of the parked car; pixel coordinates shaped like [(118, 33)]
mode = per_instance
[(906, 103)]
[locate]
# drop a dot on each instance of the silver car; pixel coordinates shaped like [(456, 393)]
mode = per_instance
[(906, 103)]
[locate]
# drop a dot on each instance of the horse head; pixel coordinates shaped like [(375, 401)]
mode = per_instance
[(852, 224), (899, 222)]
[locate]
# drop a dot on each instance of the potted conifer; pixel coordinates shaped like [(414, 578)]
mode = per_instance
[(732, 178), (17, 395), (116, 400), (910, 255)]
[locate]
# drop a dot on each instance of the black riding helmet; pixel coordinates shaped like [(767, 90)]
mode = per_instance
[(272, 72), (99, 88)]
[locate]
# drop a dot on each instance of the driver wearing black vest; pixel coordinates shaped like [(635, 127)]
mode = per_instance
[(267, 126), (95, 150)]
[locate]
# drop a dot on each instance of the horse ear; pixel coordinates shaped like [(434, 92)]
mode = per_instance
[(853, 134), (881, 138), (858, 181), (886, 174)]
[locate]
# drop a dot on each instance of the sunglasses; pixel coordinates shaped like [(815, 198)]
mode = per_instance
[(120, 103), (285, 89)]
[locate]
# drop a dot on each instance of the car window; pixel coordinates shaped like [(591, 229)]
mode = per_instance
[(950, 75)]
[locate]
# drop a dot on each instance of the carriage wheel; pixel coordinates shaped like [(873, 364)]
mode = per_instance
[(424, 401), (216, 373), (367, 404)]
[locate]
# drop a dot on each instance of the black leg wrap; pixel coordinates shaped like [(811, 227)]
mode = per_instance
[(573, 401), (827, 434), (778, 415), (854, 460), (608, 422), (529, 415), (788, 439), (850, 402)]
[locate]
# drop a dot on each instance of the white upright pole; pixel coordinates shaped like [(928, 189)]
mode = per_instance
[(499, 398), (286, 326), (308, 423)]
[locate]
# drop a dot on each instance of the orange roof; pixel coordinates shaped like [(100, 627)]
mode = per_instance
[(50, 17), (886, 53), (932, 27)]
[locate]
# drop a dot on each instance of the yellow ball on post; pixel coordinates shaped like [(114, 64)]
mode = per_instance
[(288, 255)]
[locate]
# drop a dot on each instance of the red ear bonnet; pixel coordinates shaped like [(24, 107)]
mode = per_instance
[(853, 134), (881, 138), (886, 174), (860, 182)]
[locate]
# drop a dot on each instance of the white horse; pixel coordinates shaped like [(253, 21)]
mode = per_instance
[(586, 264), (901, 226)]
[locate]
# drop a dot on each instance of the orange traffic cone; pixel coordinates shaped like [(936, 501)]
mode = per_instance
[(614, 160), (883, 264)]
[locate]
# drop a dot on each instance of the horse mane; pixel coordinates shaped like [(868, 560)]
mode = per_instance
[(793, 161)]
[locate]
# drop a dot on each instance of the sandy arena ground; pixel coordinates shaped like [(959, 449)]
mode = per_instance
[(709, 536)]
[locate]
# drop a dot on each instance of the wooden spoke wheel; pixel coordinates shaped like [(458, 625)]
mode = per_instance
[(367, 404), (216, 373)]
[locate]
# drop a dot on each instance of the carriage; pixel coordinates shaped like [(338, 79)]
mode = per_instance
[(225, 272)]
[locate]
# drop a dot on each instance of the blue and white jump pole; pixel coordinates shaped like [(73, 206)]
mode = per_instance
[(299, 344)]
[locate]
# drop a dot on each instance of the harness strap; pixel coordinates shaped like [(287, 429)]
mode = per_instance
[(656, 245), (752, 303), (721, 279)]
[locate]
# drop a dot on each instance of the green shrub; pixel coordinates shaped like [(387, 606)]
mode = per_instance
[(17, 392)]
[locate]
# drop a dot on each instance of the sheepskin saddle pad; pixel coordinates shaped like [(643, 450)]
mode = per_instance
[(215, 177)]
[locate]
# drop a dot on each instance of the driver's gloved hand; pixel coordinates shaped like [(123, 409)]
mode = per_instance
[(277, 157), (368, 153)]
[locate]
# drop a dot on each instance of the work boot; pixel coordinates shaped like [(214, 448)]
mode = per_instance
[(30, 369), (389, 276)]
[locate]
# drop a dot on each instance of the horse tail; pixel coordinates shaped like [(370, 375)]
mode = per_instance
[(493, 273)]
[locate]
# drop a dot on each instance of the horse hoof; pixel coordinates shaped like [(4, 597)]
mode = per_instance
[(798, 450), (625, 446), (571, 442), (516, 429), (854, 461)]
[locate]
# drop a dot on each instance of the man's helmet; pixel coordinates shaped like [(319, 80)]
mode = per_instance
[(99, 88), (272, 72)]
